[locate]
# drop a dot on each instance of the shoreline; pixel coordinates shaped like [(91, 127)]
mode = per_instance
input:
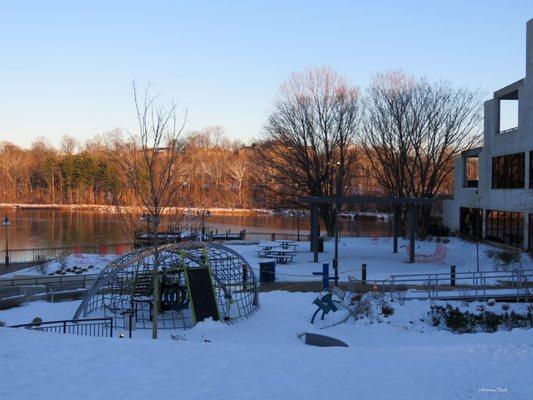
[(113, 210)]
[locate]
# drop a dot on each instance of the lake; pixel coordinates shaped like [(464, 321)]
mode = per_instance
[(58, 228)]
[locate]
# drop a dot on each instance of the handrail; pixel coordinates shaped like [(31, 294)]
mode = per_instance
[(38, 280), (44, 254), (99, 327), (75, 321)]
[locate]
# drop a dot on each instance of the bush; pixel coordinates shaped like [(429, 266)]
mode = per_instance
[(2, 323), (487, 321), (490, 253), (41, 266), (505, 259), (458, 321), (387, 310), (492, 321)]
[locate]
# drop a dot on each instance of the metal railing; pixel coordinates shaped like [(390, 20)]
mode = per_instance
[(515, 284), (96, 327), (22, 256), (45, 280), (278, 236)]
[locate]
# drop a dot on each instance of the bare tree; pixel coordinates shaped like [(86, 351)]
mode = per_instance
[(151, 161), (69, 144), (413, 131), (309, 139), (237, 169)]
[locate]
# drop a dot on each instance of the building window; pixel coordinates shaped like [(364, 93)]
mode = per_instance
[(508, 172), (508, 115), (471, 168), (471, 223), (505, 227)]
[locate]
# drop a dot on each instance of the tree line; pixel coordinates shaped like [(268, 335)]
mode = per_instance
[(322, 136)]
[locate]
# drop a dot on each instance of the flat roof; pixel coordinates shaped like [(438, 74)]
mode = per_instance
[(509, 92)]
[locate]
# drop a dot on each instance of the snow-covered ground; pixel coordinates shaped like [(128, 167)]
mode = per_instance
[(378, 256), (85, 263), (353, 251), (261, 357)]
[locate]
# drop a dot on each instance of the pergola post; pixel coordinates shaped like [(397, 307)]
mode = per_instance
[(314, 231), (396, 227), (413, 220)]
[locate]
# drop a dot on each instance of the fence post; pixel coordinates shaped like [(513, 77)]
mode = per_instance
[(325, 277), (64, 326), (363, 274), (452, 275), (273, 236)]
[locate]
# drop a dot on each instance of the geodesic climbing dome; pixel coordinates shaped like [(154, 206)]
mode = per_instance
[(125, 286)]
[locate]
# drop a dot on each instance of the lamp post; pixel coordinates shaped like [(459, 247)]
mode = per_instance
[(338, 194), (5, 224), (298, 216)]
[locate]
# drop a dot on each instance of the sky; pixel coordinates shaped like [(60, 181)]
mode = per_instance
[(67, 67)]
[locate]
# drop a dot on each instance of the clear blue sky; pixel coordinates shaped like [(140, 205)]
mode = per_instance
[(66, 67)]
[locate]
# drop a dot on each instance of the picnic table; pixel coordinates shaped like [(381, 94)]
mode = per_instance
[(282, 256), (287, 244), (264, 250)]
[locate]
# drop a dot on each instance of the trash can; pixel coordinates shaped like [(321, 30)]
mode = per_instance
[(267, 271)]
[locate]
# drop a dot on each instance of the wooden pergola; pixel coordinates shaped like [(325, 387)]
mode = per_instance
[(413, 204)]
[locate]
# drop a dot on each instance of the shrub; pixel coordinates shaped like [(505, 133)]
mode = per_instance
[(490, 253), (387, 310), (41, 266), (505, 259), (2, 323), (458, 321), (492, 321), (37, 321), (487, 321)]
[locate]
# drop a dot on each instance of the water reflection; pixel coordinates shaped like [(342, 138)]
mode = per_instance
[(56, 228)]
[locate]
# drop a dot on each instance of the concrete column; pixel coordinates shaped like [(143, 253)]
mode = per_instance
[(314, 231), (413, 221), (396, 227)]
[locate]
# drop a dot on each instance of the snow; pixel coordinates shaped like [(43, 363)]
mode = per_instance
[(353, 252), (261, 357), (378, 256), (88, 263)]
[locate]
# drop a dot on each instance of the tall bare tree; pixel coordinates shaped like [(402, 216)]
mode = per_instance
[(414, 129), (151, 161), (309, 139)]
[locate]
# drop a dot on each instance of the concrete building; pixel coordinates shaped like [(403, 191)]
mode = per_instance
[(493, 195)]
